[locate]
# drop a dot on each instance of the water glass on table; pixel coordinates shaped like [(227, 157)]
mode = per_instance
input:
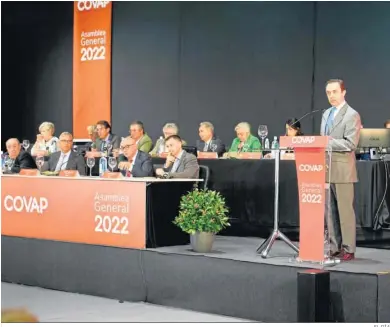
[(26, 144), (262, 132), (112, 163), (40, 160), (90, 164)]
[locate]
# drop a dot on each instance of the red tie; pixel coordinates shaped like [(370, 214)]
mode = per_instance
[(128, 172)]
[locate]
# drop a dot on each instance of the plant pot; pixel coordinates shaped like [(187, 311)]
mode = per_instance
[(202, 241)]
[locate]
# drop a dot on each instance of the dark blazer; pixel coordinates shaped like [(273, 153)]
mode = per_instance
[(188, 167), (142, 166), (75, 162), (220, 146), (114, 139), (23, 160)]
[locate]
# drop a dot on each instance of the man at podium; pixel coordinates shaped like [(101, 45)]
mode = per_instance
[(342, 124)]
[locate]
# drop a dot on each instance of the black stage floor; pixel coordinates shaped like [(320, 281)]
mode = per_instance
[(232, 280)]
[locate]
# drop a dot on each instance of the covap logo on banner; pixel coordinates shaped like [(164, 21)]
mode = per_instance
[(91, 5)]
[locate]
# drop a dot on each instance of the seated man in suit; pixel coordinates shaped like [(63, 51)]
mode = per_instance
[(103, 129), (168, 130), (208, 141), (179, 163), (65, 159), (137, 132), (133, 162), (21, 159)]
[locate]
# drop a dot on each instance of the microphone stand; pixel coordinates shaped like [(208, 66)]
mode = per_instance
[(265, 247)]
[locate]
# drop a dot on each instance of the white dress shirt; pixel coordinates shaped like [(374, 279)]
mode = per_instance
[(338, 109), (177, 162), (63, 161)]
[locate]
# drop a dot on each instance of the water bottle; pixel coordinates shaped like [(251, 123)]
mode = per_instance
[(266, 144), (274, 146), (161, 147), (102, 165)]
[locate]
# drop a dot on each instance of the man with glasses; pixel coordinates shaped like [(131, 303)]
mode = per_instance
[(65, 159), (133, 162)]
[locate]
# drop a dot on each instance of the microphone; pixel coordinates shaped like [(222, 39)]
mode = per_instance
[(308, 113)]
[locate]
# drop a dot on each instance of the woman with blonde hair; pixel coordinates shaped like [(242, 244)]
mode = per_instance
[(245, 141), (46, 142)]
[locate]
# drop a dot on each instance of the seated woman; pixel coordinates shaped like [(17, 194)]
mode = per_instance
[(46, 142), (93, 135), (245, 141), (168, 130), (293, 127)]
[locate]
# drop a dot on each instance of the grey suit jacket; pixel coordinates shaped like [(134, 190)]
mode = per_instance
[(75, 162), (142, 166), (114, 139), (188, 167), (345, 134), (220, 146)]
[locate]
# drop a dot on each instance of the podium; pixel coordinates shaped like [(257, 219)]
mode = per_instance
[(310, 161)]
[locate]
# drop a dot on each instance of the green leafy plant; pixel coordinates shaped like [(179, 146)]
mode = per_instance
[(202, 211)]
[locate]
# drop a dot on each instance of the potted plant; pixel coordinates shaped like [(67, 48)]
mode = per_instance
[(202, 214)]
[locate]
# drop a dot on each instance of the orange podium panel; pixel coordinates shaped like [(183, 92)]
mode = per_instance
[(311, 173)]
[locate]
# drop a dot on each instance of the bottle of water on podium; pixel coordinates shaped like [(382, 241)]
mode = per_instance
[(102, 165), (161, 148), (266, 144), (274, 146)]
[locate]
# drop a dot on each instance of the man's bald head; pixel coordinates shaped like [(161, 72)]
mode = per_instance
[(13, 147)]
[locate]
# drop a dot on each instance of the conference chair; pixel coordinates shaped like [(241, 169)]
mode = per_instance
[(204, 173)]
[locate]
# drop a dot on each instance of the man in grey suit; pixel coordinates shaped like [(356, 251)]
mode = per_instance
[(103, 129), (134, 162), (65, 159), (208, 142), (342, 124), (179, 163)]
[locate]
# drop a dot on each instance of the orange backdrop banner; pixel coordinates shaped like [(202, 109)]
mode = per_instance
[(91, 64), (110, 213)]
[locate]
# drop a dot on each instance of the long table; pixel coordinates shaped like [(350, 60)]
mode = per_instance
[(248, 186), (127, 213)]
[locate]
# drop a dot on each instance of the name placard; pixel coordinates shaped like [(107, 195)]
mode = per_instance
[(69, 173), (29, 172), (207, 155), (112, 175)]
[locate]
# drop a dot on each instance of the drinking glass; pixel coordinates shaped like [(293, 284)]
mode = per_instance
[(262, 132), (90, 164), (109, 148), (40, 160), (7, 163), (214, 147), (26, 144), (112, 163)]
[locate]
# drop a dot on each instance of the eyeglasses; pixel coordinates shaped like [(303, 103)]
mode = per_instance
[(126, 147), (66, 141)]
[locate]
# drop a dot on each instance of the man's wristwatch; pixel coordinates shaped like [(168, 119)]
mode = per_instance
[(165, 175)]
